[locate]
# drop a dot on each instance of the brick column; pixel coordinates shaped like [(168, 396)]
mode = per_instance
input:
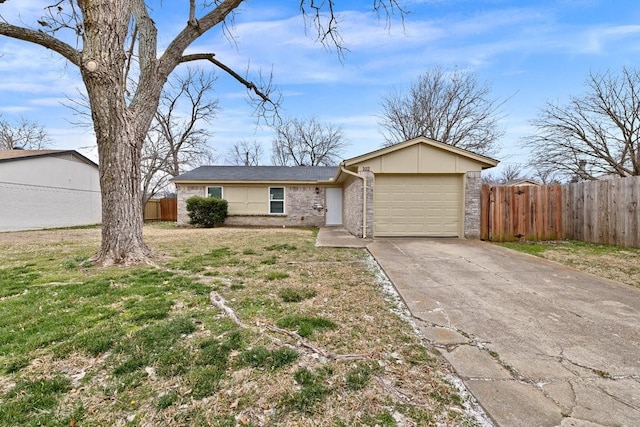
[(370, 179), (472, 194)]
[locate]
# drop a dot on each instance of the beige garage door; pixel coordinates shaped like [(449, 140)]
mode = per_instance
[(418, 205)]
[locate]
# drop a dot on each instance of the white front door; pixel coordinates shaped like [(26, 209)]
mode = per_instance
[(334, 206)]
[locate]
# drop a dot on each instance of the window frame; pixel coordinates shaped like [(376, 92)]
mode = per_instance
[(271, 200), (214, 186)]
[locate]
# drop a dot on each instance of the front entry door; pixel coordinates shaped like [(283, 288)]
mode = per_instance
[(334, 206)]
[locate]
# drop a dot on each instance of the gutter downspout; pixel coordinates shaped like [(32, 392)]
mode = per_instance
[(364, 198)]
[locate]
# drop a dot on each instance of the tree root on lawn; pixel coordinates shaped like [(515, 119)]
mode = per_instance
[(301, 343)]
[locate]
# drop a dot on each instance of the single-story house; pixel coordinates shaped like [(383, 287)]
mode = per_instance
[(419, 187), (48, 189)]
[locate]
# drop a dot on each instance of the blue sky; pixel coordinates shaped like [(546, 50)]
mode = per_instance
[(529, 52)]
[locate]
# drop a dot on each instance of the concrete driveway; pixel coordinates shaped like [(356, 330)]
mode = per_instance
[(537, 343)]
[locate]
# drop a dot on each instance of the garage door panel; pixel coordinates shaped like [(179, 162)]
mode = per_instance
[(417, 205)]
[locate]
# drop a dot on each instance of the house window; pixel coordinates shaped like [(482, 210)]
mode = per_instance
[(276, 200), (214, 192)]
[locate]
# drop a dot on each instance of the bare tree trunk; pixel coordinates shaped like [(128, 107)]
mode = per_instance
[(122, 216), (120, 132)]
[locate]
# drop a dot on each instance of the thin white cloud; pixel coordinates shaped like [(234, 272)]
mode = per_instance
[(14, 109), (597, 40), (25, 88), (49, 102)]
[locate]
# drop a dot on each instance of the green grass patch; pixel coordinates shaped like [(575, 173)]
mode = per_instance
[(417, 354), (217, 257), (276, 275), (167, 399), (15, 280), (305, 326), (272, 260), (313, 389), (93, 342), (215, 352), (153, 345), (32, 402), (296, 294), (358, 377), (281, 247), (567, 246), (205, 381), (261, 357)]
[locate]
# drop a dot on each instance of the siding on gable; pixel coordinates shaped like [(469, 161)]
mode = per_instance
[(420, 158)]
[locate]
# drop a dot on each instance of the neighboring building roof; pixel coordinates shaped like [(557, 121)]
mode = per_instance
[(259, 174), (487, 162), (520, 182), (12, 155)]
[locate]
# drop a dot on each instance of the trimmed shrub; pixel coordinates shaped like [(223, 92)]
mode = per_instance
[(206, 211)]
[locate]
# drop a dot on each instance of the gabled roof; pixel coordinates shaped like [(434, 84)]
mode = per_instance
[(521, 181), (487, 161), (258, 174), (13, 155)]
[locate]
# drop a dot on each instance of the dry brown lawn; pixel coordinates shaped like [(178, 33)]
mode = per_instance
[(611, 262), (369, 368)]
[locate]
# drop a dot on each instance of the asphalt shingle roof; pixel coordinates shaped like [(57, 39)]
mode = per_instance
[(259, 173), (21, 154), (11, 155)]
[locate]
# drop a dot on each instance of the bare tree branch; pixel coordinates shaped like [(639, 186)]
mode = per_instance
[(307, 143), (42, 39), (177, 139), (211, 58), (450, 107), (245, 153), (25, 135), (595, 134)]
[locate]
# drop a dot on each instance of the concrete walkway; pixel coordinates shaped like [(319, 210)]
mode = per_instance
[(339, 237), (537, 343)]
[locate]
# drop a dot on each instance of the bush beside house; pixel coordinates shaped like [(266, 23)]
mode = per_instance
[(206, 211)]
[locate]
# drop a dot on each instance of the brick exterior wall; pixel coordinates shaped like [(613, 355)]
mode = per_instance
[(304, 208), (184, 192), (352, 205), (472, 193), (352, 200), (370, 177)]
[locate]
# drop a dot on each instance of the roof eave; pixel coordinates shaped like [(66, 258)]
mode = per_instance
[(246, 182), (487, 161), (51, 154)]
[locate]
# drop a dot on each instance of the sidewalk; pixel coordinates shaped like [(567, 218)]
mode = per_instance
[(339, 237)]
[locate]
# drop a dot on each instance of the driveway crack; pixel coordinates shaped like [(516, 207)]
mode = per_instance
[(619, 400), (599, 372)]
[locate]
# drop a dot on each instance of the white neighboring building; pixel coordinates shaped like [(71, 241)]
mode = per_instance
[(48, 189)]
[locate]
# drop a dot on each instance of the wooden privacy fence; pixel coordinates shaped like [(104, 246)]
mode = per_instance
[(604, 212), (161, 210), (523, 212)]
